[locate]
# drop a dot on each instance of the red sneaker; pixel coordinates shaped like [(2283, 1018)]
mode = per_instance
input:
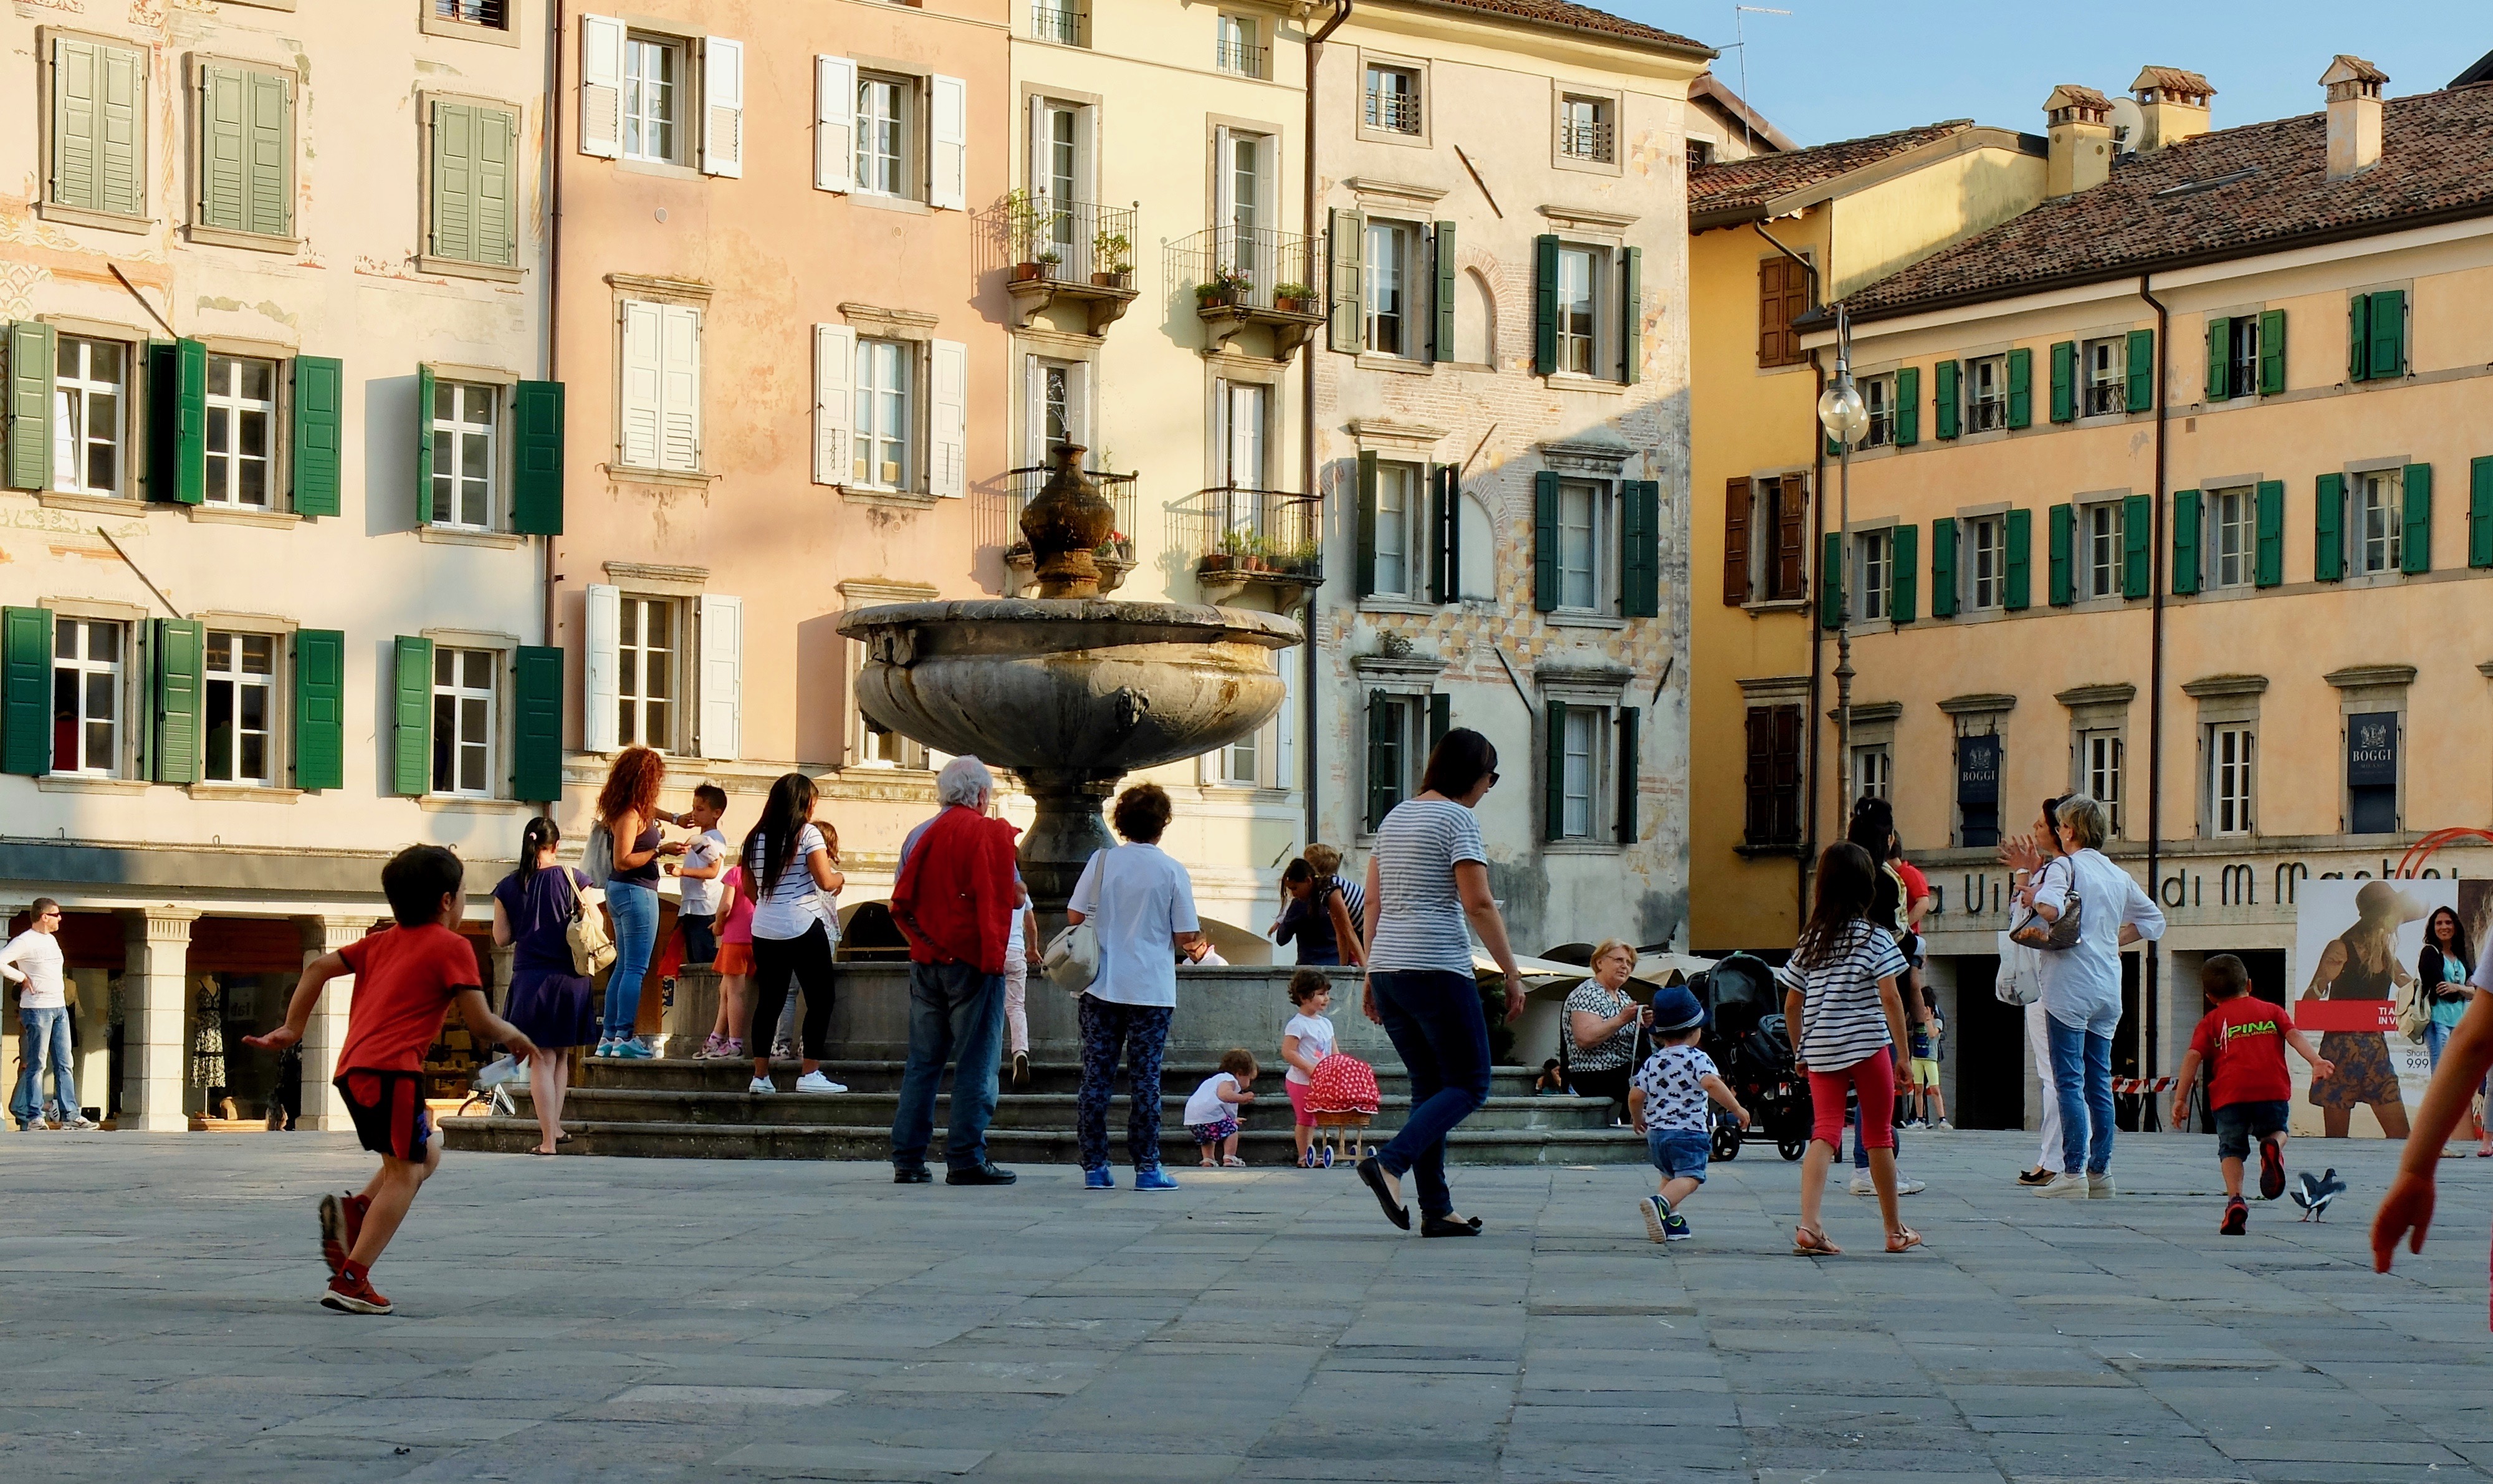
[(353, 1296), (334, 1246), (2238, 1217), (2272, 1170)]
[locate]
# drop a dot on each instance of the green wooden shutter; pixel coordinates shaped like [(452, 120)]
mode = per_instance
[(2480, 513), (1630, 316), (1346, 243), (2328, 528), (2021, 388), (1545, 541), (1553, 772), (2020, 565), (2359, 337), (1441, 719), (32, 347), (1640, 550), (1830, 582), (2063, 522), (424, 392), (1367, 573), (536, 460), (1943, 568), (2064, 382), (411, 717), (25, 690), (2389, 352), (536, 730), (319, 433), (2186, 541), (180, 653), (1629, 774), (1440, 512), (319, 707), (1441, 345), (1903, 574), (271, 173), (98, 126), (2415, 517), (2220, 358), (2142, 371), (1908, 406), (225, 148), (177, 393), (1944, 399), (1544, 305), (2272, 351), (1382, 786), (454, 182), (2138, 546), (497, 186), (2269, 564)]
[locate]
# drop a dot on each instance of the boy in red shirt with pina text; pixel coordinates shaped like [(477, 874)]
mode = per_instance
[(2242, 1041), (405, 977)]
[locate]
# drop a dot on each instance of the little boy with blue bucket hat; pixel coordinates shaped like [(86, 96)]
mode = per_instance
[(1666, 1103)]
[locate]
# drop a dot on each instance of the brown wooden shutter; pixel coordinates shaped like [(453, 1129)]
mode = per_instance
[(1761, 776), (1771, 314), (1787, 773), (1735, 542), (1791, 536)]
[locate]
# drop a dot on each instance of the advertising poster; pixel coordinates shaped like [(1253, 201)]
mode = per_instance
[(2356, 949)]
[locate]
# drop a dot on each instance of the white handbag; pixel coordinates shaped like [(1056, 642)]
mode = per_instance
[(2020, 981), (1072, 959)]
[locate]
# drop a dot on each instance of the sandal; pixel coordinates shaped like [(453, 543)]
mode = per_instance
[(547, 1153), (1904, 1239), (1809, 1243), (1232, 1162)]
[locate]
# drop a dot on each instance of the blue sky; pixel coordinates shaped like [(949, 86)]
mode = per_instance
[(1839, 69)]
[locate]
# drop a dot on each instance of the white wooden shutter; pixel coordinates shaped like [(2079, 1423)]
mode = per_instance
[(679, 381), (835, 85), (601, 692), (1034, 401), (947, 186), (642, 384), (1042, 134), (835, 401), (601, 86), (1223, 179), (722, 106), (722, 677), (947, 418)]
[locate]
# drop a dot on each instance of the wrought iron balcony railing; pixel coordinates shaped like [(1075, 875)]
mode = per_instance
[(1066, 22), (1243, 57), (1257, 535), (1586, 141), (1395, 112), (1257, 268), (1069, 241)]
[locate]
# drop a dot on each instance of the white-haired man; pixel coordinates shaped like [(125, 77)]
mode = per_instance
[(954, 901)]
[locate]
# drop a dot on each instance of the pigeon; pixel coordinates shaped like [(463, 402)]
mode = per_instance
[(2313, 1192)]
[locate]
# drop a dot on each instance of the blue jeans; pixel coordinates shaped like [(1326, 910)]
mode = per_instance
[(634, 907), (955, 1011), (1434, 1020), (2082, 1070), (45, 1037)]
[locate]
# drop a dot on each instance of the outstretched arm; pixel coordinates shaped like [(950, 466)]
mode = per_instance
[(2301, 1045), (489, 1027), (2406, 1211), (298, 1011)]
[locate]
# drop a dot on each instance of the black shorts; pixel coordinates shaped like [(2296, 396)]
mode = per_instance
[(2239, 1124), (701, 942), (389, 1112)]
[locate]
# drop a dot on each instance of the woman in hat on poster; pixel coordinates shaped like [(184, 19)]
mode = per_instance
[(2361, 963)]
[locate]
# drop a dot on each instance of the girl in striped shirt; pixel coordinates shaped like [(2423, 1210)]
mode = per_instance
[(1847, 1023)]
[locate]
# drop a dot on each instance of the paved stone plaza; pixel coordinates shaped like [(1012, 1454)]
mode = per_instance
[(685, 1319)]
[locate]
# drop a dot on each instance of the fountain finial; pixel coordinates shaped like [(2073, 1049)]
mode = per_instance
[(1065, 526)]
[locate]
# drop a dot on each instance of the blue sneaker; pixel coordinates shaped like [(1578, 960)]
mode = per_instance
[(1675, 1229), (605, 1046), (1658, 1217), (1100, 1179), (1151, 1177), (633, 1049)]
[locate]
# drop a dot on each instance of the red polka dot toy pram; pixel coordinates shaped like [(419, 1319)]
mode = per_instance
[(1341, 1097)]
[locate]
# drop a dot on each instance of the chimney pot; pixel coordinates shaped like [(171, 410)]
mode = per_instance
[(2353, 115), (2081, 140)]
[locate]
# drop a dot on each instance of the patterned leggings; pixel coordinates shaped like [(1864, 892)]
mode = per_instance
[(1140, 1034)]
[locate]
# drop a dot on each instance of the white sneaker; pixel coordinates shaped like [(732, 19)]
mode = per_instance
[(761, 1086), (1862, 1186), (2064, 1188), (1944, 1126), (2100, 1186), (815, 1081), (1906, 1184), (82, 1124)]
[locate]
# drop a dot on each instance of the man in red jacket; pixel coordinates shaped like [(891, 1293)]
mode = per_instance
[(954, 903)]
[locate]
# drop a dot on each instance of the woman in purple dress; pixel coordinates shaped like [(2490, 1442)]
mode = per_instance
[(549, 1001)]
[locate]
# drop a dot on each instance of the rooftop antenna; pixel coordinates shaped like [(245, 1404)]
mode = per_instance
[(1740, 45)]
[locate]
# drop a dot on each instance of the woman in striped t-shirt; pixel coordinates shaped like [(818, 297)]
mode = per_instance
[(1848, 1023)]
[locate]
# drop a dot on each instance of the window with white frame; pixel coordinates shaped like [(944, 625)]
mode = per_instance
[(1584, 767), (1875, 569), (885, 109), (238, 704), (1237, 45), (2232, 538), (90, 415), (1057, 174), (241, 431), (653, 99), (1237, 761), (1985, 393), (1874, 772), (463, 721), (1393, 256), (2104, 372), (463, 454), (2099, 772), (649, 672), (2230, 779), (1401, 533), (1246, 432), (2376, 499), (88, 656), (2100, 531), (1393, 98), (1586, 526), (1586, 130), (2242, 354), (661, 401), (1986, 562), (1059, 407), (886, 374), (1878, 398), (1579, 292)]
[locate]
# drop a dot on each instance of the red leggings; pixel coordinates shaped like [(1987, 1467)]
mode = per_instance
[(1873, 1080)]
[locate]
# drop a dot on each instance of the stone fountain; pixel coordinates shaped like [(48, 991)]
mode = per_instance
[(1069, 690)]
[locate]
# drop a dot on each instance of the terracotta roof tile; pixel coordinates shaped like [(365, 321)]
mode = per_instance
[(2232, 194), (1564, 15), (1746, 184)]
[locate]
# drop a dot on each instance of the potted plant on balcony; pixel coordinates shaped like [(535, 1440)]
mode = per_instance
[(1294, 298), (1226, 289), (1025, 216), (1114, 253)]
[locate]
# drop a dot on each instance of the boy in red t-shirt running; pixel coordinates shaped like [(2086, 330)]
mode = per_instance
[(405, 975), (2243, 1041)]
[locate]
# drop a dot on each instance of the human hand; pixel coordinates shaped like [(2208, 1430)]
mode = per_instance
[(1513, 1001), (673, 847), (1367, 1001), (277, 1039), (1036, 957), (1742, 1114), (2180, 1110), (1637, 1124), (518, 1043), (2406, 1211), (2323, 1067)]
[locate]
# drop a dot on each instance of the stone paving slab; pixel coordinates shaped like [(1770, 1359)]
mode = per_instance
[(735, 1320)]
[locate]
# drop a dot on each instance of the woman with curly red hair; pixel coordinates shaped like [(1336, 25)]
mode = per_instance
[(627, 811)]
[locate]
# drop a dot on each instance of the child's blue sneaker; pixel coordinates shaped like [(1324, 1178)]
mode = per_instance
[(1674, 1228), (1657, 1215), (1151, 1177), (1100, 1179), (633, 1049)]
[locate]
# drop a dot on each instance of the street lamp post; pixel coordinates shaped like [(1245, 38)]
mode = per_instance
[(1841, 414)]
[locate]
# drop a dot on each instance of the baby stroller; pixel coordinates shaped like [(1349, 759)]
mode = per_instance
[(1746, 1038)]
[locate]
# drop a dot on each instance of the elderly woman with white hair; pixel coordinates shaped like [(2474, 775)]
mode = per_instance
[(954, 900)]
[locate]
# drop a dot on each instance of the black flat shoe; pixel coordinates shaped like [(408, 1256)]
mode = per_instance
[(1448, 1227), (2033, 1177), (921, 1175), (984, 1175), (1372, 1176)]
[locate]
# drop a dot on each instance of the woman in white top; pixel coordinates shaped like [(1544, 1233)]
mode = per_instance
[(2044, 846), (1428, 873), (1140, 902), (791, 876), (2081, 987)]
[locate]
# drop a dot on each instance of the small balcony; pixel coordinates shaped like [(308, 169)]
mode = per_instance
[(1393, 111), (1243, 276), (1115, 556), (1241, 538), (1232, 54), (1066, 22), (1078, 252)]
